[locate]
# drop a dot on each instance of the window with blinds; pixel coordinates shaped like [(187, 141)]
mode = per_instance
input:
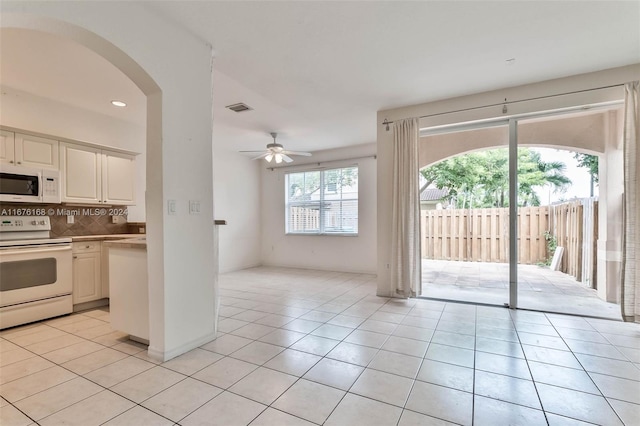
[(322, 202)]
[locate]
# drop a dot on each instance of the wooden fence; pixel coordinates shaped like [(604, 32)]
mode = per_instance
[(303, 218), (575, 227), (482, 235)]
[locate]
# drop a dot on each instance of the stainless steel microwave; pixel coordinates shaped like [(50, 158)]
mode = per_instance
[(27, 185)]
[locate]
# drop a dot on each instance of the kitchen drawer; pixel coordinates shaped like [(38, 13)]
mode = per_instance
[(86, 247)]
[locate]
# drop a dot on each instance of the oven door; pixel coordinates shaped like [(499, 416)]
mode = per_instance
[(34, 273)]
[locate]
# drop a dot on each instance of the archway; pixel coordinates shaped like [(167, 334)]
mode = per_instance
[(180, 269)]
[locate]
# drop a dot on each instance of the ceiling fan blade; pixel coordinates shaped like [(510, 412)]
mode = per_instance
[(286, 158), (264, 154), (304, 154), (251, 152)]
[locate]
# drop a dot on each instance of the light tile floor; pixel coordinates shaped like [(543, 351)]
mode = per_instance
[(303, 347)]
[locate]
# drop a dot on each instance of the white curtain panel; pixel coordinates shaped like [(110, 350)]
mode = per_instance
[(631, 262), (406, 271)]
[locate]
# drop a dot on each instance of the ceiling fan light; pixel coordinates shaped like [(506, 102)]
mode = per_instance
[(269, 158), (278, 158)]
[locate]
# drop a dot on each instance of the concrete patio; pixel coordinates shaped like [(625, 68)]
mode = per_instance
[(538, 287)]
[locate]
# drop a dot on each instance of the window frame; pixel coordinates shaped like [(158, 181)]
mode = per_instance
[(320, 203)]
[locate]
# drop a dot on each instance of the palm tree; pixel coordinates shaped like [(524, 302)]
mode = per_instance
[(533, 172)]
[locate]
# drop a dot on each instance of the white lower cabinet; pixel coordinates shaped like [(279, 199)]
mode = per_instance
[(129, 292), (87, 272)]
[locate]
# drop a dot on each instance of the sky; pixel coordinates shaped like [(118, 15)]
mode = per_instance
[(578, 175)]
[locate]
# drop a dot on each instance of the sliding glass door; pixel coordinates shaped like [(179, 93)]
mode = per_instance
[(464, 214), (507, 218)]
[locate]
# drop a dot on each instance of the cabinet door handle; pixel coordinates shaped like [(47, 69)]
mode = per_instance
[(75, 257), (87, 246), (19, 162), (11, 161)]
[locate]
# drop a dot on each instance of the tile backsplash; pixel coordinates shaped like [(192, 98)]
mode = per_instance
[(88, 220)]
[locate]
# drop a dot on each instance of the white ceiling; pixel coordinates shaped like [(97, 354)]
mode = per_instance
[(317, 72)]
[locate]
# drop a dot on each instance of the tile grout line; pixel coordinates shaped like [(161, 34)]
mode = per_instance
[(533, 381), (585, 370)]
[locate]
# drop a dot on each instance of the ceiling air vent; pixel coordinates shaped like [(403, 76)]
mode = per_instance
[(239, 107)]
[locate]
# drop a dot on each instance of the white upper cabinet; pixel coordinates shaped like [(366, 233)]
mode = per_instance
[(34, 151), (7, 147), (118, 176), (81, 170), (91, 175), (29, 151)]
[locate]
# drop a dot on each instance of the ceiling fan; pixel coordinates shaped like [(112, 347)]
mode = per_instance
[(276, 152)]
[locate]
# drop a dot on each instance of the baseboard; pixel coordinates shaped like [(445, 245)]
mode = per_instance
[(164, 356), (91, 305)]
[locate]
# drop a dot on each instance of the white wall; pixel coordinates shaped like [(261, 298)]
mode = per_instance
[(477, 103), (173, 69), (334, 253), (41, 115), (237, 195)]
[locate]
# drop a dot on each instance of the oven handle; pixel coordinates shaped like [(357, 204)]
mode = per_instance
[(34, 250)]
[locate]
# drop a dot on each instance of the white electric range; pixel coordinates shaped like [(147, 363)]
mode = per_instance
[(35, 271)]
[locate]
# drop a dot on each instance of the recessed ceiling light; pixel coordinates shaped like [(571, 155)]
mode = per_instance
[(118, 103)]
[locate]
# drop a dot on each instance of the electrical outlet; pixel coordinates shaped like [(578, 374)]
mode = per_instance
[(115, 219), (71, 219), (194, 207), (171, 207)]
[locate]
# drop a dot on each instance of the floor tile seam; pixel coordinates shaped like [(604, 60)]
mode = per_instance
[(3, 354), (450, 387), (282, 411), (473, 384), (40, 371), (23, 413), (583, 369), (636, 404), (102, 366), (45, 340), (339, 402), (526, 360), (131, 408), (574, 352), (71, 359), (76, 322), (617, 348), (577, 419), (72, 334), (434, 417), (9, 331), (43, 390), (580, 362), (102, 388), (541, 409), (589, 373), (600, 394), (84, 376), (166, 389), (609, 375), (401, 407)]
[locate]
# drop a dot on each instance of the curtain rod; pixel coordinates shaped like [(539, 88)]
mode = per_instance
[(375, 156), (505, 103)]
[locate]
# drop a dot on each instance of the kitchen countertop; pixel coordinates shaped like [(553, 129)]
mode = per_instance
[(134, 243), (105, 237)]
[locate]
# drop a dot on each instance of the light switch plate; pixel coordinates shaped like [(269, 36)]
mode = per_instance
[(171, 207)]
